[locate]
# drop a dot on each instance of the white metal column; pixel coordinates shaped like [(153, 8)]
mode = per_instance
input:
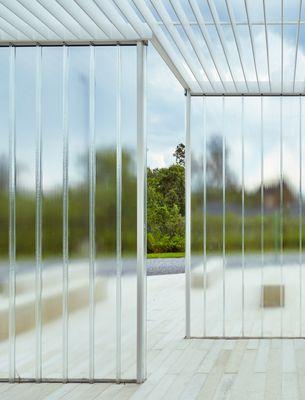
[(188, 215), (141, 211)]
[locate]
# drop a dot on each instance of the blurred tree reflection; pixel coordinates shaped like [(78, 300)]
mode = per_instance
[(105, 212), (165, 209)]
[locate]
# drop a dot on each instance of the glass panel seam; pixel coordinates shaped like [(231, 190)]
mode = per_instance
[(223, 219), (38, 238), (92, 187), (118, 220), (204, 216), (300, 217), (12, 216), (65, 210)]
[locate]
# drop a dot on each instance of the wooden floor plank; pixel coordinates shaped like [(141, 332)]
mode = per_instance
[(256, 386), (62, 390), (262, 356), (290, 389), (193, 387), (210, 386), (224, 387), (236, 356), (301, 386), (160, 390), (243, 376), (211, 357), (273, 389)]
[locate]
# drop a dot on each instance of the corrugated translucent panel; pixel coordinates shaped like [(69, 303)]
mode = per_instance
[(52, 211), (301, 214), (198, 261), (129, 211), (233, 217), (4, 211), (291, 216), (272, 322), (25, 210), (253, 153), (105, 213), (68, 183), (246, 217), (214, 216), (78, 211)]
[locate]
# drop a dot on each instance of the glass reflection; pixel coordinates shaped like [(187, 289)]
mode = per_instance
[(52, 217), (25, 210), (266, 297), (4, 217)]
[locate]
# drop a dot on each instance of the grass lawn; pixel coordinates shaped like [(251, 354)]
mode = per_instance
[(165, 255)]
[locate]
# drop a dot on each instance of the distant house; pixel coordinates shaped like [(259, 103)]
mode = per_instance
[(272, 196)]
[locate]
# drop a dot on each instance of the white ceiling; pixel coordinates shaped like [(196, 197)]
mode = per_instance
[(212, 46)]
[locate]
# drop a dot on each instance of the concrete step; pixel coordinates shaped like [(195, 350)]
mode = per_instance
[(51, 303)]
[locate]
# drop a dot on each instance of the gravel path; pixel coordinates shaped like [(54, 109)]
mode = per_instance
[(163, 266), (155, 266)]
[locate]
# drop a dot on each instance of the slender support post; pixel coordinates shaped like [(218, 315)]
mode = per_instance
[(300, 217), (65, 212), (38, 233), (281, 212), (188, 215), (223, 220), (204, 217), (12, 217), (141, 211), (243, 211), (118, 221), (92, 184), (262, 212)]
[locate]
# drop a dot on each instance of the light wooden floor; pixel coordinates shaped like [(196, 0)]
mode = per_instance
[(191, 369), (197, 369)]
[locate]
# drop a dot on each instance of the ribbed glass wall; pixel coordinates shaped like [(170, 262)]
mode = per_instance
[(68, 212), (247, 218)]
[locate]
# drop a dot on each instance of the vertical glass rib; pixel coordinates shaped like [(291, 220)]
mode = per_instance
[(38, 233), (141, 211), (65, 210), (281, 209), (282, 45), (243, 213), (300, 216), (223, 218), (262, 215), (92, 182), (187, 214), (118, 221), (204, 217), (12, 217)]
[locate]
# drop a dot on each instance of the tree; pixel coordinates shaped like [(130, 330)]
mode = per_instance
[(4, 174), (215, 161), (165, 209), (179, 154)]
